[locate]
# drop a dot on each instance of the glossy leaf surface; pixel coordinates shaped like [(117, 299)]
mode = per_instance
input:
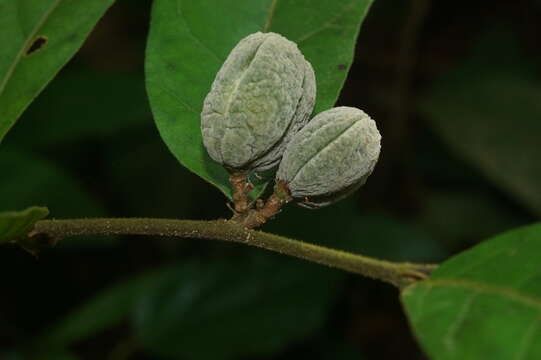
[(484, 303)]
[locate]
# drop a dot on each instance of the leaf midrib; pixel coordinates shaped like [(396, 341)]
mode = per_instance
[(482, 288), (270, 16)]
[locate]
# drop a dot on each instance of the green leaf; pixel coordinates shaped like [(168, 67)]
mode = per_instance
[(488, 111), (484, 303), (39, 37), (189, 41), (15, 225), (240, 309)]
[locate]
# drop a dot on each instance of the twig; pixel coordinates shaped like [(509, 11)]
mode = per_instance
[(398, 274)]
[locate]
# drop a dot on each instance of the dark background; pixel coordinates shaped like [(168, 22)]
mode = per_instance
[(88, 147)]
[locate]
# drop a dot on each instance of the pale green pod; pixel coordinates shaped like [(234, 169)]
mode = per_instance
[(262, 95), (330, 157)]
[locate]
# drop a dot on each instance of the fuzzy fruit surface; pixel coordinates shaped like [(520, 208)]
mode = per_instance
[(330, 157), (262, 95)]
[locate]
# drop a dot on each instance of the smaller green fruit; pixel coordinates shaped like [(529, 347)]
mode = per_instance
[(330, 157)]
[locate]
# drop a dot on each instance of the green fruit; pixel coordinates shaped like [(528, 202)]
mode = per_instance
[(263, 94), (330, 157)]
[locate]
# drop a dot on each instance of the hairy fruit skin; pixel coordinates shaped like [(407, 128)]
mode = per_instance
[(262, 95), (330, 157)]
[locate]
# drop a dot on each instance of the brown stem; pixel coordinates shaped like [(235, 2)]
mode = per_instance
[(398, 274), (241, 189), (256, 217)]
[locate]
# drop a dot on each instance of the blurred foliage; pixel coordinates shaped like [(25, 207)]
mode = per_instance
[(29, 179), (158, 173), (488, 109), (251, 307), (106, 103), (449, 214), (179, 309), (88, 147), (344, 226), (50, 354)]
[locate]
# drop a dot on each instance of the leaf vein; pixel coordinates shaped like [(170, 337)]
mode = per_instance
[(531, 301), (454, 328), (191, 34), (328, 24), (528, 339), (175, 96), (270, 16)]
